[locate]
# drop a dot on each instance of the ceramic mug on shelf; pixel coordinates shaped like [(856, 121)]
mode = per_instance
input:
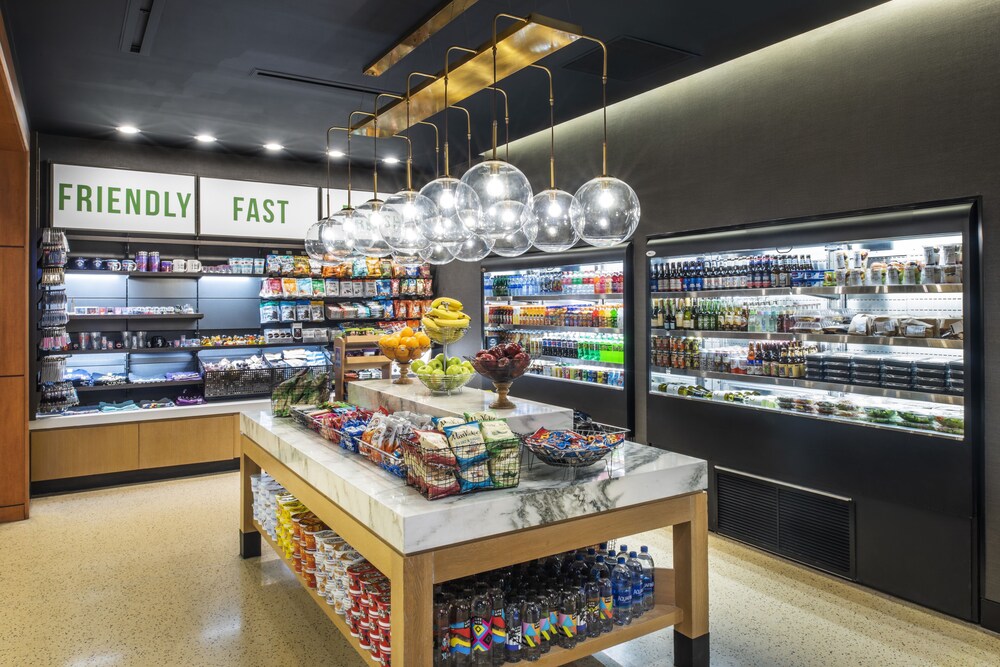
[(180, 265), (193, 266), (113, 265), (129, 265)]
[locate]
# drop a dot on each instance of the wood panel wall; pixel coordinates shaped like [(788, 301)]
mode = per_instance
[(14, 277)]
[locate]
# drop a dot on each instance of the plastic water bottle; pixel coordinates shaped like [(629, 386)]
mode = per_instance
[(647, 573), (606, 606), (601, 568), (460, 633), (442, 626), (582, 620), (530, 617), (480, 621), (621, 586), (568, 618), (592, 590), (638, 584), (591, 557), (578, 567), (498, 624), (546, 627), (512, 614)]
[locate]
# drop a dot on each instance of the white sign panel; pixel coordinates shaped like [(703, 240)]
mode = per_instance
[(256, 210), (122, 200), (338, 198)]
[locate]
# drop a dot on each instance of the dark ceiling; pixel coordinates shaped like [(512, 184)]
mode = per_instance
[(200, 62)]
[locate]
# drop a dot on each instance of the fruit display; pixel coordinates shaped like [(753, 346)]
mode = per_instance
[(502, 364), (445, 322), (404, 347), (443, 374)]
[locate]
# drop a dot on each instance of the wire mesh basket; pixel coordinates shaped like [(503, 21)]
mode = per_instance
[(585, 445), (439, 473), (296, 386), (446, 335), (236, 382)]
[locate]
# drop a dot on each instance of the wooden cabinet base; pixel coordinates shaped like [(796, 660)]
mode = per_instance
[(13, 513)]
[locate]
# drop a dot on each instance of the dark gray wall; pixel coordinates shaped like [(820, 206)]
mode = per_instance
[(895, 105)]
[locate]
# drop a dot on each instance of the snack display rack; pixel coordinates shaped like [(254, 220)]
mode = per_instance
[(570, 312), (825, 368)]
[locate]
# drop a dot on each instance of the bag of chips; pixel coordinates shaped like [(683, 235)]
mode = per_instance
[(441, 483), (475, 477), (467, 443), (434, 446), (443, 422)]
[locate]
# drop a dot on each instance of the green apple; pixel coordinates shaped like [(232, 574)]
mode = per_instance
[(417, 365), (437, 371), (440, 357), (454, 361), (456, 369)]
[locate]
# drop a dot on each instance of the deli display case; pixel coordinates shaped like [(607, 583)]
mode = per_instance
[(820, 366), (571, 312)]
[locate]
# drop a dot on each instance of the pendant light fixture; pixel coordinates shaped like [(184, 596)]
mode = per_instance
[(402, 232), (336, 233), (368, 240), (315, 247), (474, 248), (557, 213), (610, 206), (502, 188)]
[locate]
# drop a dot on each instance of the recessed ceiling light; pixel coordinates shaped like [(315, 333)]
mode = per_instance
[(336, 153), (274, 147), (205, 138), (390, 160), (128, 129)]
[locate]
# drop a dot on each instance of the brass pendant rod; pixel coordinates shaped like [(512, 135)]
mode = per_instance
[(437, 139), (437, 147), (350, 121), (468, 129), (552, 128), (604, 102), (328, 131), (496, 19), (447, 58), (409, 160)]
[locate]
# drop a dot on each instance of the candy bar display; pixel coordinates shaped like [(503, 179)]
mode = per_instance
[(327, 565)]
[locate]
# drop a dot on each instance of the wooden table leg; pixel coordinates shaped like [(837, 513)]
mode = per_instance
[(249, 537), (413, 610), (691, 586)]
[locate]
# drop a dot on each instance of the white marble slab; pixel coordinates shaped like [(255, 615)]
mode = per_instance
[(526, 416), (410, 523), (155, 414)]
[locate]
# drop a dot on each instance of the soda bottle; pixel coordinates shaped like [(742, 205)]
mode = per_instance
[(480, 622), (512, 614), (498, 624), (568, 618), (592, 591), (530, 618), (442, 624), (638, 584), (621, 586), (460, 634), (647, 572)]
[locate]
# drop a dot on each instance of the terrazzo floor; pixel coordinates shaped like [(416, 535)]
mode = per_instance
[(149, 575)]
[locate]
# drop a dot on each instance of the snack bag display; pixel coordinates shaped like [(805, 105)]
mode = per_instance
[(482, 416), (475, 477), (505, 467), (436, 448), (443, 422), (467, 443), (441, 483)]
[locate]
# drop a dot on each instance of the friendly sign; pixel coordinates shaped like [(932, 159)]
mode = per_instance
[(256, 210), (122, 200)]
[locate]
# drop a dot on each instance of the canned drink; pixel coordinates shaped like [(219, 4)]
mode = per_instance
[(154, 261), (142, 261)]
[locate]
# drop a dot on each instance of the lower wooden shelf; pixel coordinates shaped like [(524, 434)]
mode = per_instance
[(337, 619)]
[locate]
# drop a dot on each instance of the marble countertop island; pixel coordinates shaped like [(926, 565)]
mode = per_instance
[(526, 417), (633, 475)]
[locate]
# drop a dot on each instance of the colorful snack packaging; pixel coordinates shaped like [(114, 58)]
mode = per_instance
[(269, 312), (441, 483), (467, 443), (332, 287), (373, 267), (482, 416), (272, 264), (289, 287), (435, 448), (316, 308), (287, 311), (394, 286), (301, 265), (287, 265), (303, 312), (442, 422), (505, 467), (495, 432), (318, 287), (389, 310), (474, 477), (305, 286)]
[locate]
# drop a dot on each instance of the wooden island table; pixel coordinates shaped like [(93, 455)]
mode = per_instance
[(418, 543)]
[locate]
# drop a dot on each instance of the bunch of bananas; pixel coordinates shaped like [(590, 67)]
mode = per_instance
[(445, 313)]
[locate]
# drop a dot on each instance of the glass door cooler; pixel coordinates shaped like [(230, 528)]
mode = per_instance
[(570, 312), (828, 357)]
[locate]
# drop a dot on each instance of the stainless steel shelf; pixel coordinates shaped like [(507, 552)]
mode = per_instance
[(160, 274), (927, 397), (583, 382), (897, 341), (545, 327), (170, 316), (554, 297), (817, 291), (578, 361), (833, 418)]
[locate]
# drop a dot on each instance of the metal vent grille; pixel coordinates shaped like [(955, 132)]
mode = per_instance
[(806, 526), (629, 58)]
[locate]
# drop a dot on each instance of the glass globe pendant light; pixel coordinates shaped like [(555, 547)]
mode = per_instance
[(517, 243), (368, 239), (473, 249), (438, 254), (557, 213), (336, 232), (401, 231)]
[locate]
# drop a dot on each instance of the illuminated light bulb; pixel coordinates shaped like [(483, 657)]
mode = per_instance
[(459, 209), (610, 211), (367, 232), (554, 210), (404, 232), (494, 186), (557, 214), (606, 199), (337, 233)]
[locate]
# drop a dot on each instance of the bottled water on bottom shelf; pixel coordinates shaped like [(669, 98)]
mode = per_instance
[(621, 586), (647, 572)]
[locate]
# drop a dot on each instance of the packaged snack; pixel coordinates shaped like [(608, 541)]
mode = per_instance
[(287, 265), (369, 288), (316, 311), (475, 477), (318, 287), (428, 287), (289, 287), (373, 267), (389, 309), (495, 432), (418, 287), (443, 422), (482, 416), (287, 311), (305, 286), (271, 287), (394, 286), (303, 312), (269, 312), (505, 467), (861, 325), (272, 264), (315, 267), (467, 443), (441, 483), (301, 266), (332, 287), (383, 288), (435, 448), (913, 327)]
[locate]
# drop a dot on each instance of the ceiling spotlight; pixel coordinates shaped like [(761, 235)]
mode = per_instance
[(274, 147), (390, 160), (204, 138), (128, 129), (336, 153)]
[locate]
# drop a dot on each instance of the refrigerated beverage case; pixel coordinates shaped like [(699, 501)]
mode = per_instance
[(647, 573), (480, 622), (460, 634), (621, 586), (638, 584), (568, 618), (530, 620)]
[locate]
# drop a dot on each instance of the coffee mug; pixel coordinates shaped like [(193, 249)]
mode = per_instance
[(129, 264), (97, 263), (79, 262), (113, 265), (193, 266), (166, 266), (180, 265)]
